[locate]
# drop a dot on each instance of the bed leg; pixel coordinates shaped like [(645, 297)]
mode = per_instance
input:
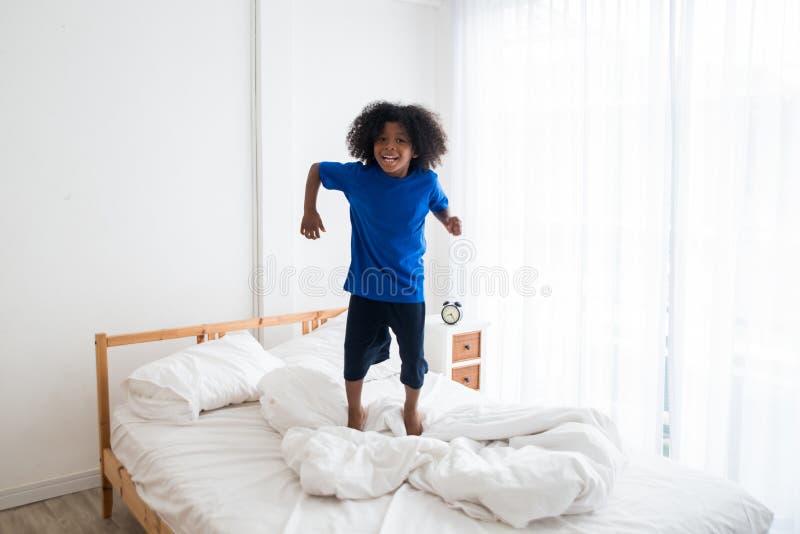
[(108, 498), (103, 419)]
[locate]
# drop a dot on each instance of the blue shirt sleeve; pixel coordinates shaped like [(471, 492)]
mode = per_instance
[(438, 200), (338, 176)]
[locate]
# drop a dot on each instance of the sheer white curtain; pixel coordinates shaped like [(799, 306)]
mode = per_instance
[(735, 336), (644, 158), (561, 164)]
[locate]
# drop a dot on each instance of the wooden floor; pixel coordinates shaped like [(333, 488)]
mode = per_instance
[(74, 513)]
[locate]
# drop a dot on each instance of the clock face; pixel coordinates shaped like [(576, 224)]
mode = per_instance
[(451, 314)]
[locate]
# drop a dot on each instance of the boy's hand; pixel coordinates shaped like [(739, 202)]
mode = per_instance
[(453, 225), (311, 225)]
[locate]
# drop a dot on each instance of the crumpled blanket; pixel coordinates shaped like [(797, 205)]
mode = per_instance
[(494, 462)]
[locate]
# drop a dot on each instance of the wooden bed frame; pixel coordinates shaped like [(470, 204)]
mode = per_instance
[(114, 475)]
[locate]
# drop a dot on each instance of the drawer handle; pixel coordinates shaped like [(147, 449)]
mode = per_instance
[(467, 347), (466, 379)]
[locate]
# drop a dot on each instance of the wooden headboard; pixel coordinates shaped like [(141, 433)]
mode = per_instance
[(204, 332)]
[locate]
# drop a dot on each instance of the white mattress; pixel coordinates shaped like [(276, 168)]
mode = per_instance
[(226, 473)]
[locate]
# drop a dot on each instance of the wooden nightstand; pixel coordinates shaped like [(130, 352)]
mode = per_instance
[(456, 351)]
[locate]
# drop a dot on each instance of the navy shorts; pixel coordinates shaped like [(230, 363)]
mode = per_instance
[(367, 339)]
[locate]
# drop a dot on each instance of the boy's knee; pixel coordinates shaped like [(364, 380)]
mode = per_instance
[(413, 375)]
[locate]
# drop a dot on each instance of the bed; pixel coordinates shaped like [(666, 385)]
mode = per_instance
[(226, 472)]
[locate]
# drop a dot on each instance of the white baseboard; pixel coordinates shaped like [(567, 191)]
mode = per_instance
[(47, 489), (432, 3)]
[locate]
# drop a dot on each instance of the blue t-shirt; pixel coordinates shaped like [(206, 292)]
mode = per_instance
[(387, 216)]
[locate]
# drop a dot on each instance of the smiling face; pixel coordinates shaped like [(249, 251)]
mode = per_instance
[(393, 150)]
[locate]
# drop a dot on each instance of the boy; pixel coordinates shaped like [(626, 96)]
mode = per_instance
[(390, 190)]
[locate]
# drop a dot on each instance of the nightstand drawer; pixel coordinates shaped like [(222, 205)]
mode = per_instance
[(466, 346), (469, 376)]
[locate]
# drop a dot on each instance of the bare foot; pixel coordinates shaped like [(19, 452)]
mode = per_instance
[(413, 422), (356, 419)]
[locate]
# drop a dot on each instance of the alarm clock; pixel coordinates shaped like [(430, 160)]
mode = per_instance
[(451, 312)]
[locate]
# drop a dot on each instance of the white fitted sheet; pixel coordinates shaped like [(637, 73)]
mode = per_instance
[(226, 473)]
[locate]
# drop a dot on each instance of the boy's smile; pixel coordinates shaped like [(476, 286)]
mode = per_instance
[(393, 150)]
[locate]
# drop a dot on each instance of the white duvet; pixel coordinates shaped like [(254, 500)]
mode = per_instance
[(493, 462)]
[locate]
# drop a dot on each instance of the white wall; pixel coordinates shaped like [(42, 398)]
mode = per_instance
[(125, 202), (322, 62)]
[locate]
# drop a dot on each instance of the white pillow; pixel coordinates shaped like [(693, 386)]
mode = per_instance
[(323, 349), (326, 342), (201, 377)]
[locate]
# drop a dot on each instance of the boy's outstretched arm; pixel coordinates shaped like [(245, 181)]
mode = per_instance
[(312, 222), (452, 223)]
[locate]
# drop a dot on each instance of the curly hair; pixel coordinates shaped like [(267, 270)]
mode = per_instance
[(427, 136)]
